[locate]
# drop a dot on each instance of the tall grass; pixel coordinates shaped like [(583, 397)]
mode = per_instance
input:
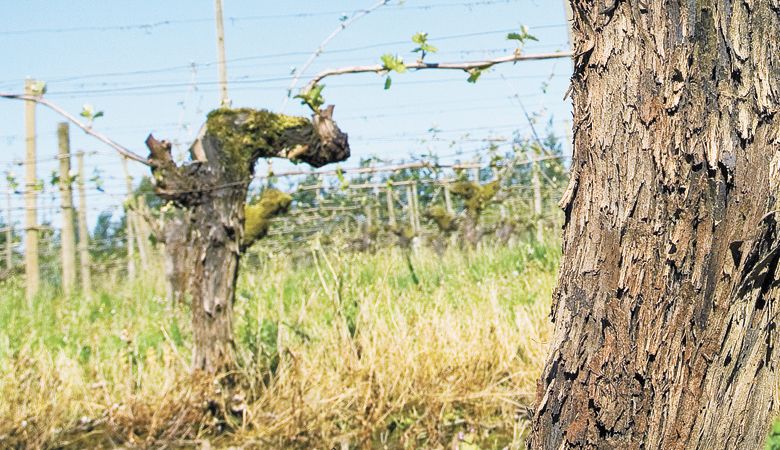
[(336, 350)]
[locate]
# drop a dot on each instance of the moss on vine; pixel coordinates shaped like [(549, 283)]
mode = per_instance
[(476, 197), (273, 202), (246, 134), (444, 220)]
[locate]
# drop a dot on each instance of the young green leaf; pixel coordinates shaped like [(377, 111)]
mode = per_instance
[(313, 97), (393, 63), (88, 112), (419, 38), (474, 75), (343, 183), (522, 36), (423, 47), (97, 179), (10, 178)]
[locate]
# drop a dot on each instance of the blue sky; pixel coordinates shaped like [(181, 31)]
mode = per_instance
[(150, 66)]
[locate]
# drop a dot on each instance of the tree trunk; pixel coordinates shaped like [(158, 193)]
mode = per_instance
[(665, 306), (176, 237), (216, 231), (212, 190)]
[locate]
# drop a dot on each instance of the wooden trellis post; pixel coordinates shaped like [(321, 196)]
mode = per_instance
[(368, 211), (410, 208), (390, 206), (448, 199), (31, 268), (141, 230), (129, 226), (318, 193), (224, 100), (416, 203), (86, 275), (475, 173), (376, 210), (68, 245)]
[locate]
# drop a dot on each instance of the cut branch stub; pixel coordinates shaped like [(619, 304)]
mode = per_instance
[(234, 139), (171, 182), (252, 134), (332, 145)]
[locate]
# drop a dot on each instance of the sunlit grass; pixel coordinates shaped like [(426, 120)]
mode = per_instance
[(336, 348)]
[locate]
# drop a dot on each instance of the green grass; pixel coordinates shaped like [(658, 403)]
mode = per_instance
[(336, 347), (773, 440)]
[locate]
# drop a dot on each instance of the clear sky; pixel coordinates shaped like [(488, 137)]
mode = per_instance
[(150, 67)]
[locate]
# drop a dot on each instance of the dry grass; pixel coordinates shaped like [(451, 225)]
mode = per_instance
[(337, 350)]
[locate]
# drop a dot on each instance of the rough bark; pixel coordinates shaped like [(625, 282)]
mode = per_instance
[(667, 298), (212, 190), (176, 237)]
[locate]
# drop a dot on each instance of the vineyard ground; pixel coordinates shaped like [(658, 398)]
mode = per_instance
[(337, 348)]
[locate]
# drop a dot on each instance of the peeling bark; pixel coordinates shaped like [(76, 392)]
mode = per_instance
[(212, 191), (667, 297)]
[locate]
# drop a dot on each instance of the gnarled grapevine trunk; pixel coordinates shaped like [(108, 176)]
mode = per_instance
[(666, 303), (213, 189)]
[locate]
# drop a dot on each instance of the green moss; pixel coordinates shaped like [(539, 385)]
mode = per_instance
[(444, 220), (246, 134), (402, 231), (273, 202), (476, 197)]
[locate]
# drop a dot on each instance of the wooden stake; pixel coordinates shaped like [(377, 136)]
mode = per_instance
[(68, 246), (129, 222), (31, 268), (410, 208), (222, 67), (86, 275), (390, 206), (448, 199), (416, 203), (140, 230), (318, 194), (367, 210)]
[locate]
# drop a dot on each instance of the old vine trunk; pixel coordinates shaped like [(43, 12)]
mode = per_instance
[(212, 191), (667, 298)]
